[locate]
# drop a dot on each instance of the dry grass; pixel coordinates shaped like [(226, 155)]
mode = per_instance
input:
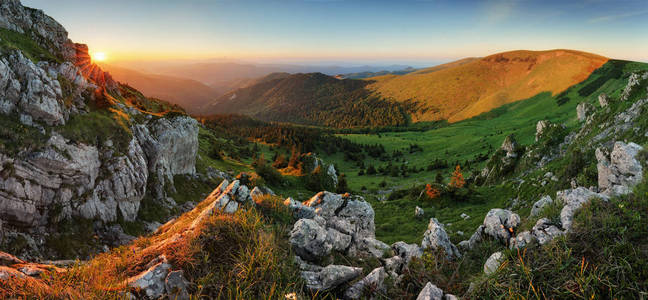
[(466, 88)]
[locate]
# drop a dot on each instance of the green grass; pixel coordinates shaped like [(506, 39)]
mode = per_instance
[(12, 40), (465, 140), (96, 127)]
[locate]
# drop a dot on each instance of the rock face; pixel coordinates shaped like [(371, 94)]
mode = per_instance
[(619, 170), (43, 29), (436, 238), (501, 224), (310, 240), (493, 263), (170, 146), (584, 110)]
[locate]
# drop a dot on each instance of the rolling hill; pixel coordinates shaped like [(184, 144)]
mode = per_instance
[(454, 91), (466, 88), (311, 99), (189, 94)]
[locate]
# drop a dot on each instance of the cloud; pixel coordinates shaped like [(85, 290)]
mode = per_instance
[(610, 18)]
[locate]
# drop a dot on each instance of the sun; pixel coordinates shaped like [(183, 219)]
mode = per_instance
[(99, 56)]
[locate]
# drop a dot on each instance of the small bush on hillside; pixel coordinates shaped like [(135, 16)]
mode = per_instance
[(269, 174)]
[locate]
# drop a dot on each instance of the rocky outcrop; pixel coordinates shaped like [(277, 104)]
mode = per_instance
[(510, 146), (340, 216), (436, 238), (158, 280), (634, 81), (619, 170), (100, 183), (573, 199), (584, 110), (28, 89), (310, 240), (541, 126), (604, 100), (43, 29), (544, 231), (432, 292), (171, 145)]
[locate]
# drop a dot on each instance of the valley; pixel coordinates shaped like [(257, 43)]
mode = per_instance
[(517, 175)]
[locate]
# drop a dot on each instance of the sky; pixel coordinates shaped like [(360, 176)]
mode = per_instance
[(364, 32)]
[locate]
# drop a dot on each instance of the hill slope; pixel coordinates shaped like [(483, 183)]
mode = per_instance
[(466, 88), (189, 94), (312, 99)]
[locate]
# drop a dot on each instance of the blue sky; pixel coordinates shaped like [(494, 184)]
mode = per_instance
[(351, 31)]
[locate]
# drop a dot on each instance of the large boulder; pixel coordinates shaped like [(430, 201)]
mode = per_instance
[(435, 237), (620, 170), (349, 215), (501, 224)]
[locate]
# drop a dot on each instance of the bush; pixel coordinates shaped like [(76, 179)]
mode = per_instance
[(269, 174)]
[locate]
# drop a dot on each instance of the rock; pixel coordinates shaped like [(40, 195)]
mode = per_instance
[(350, 215), (573, 199), (430, 292), (436, 238), (544, 231), (584, 110), (176, 286), (170, 145), (540, 205), (603, 99), (152, 281), (373, 282), (305, 266), (475, 239), (501, 223), (450, 297), (7, 259), (338, 240), (511, 146), (620, 170), (394, 264), (373, 247), (464, 216), (418, 212), (633, 81), (299, 210), (540, 128), (493, 263), (522, 240), (407, 251), (330, 277), (310, 240)]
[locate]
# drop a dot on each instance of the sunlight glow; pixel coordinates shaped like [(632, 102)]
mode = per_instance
[(98, 56)]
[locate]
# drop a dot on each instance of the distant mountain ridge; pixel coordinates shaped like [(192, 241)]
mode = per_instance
[(454, 91)]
